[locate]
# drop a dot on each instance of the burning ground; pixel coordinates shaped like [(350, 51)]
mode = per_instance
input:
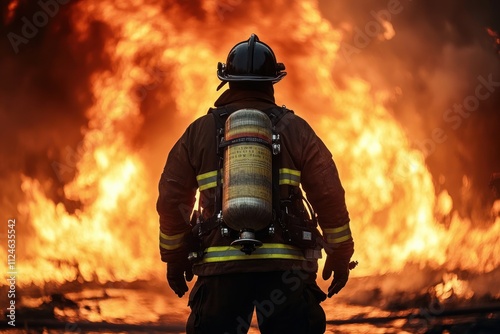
[(404, 93)]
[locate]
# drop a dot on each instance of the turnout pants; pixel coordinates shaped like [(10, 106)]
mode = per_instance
[(285, 302)]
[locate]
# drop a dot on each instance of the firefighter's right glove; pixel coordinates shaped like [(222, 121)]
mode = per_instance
[(337, 262), (177, 274)]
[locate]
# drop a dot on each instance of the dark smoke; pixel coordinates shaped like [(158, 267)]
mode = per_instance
[(44, 92), (439, 51)]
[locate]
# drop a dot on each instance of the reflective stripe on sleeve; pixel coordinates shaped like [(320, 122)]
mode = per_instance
[(266, 251), (171, 242), (337, 235), (207, 180), (289, 176), (286, 176)]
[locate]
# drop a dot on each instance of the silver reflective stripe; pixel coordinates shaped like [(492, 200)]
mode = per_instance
[(266, 251), (337, 234), (207, 180)]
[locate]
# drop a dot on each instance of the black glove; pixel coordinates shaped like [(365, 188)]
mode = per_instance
[(340, 275), (337, 261), (177, 275)]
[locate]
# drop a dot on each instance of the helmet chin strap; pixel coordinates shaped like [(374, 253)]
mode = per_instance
[(221, 85)]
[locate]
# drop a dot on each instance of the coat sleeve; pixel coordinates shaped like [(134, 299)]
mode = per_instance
[(321, 183), (177, 190)]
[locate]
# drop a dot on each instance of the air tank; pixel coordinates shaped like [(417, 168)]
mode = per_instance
[(247, 171)]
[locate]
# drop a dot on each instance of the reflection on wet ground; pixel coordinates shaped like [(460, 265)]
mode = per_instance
[(150, 307)]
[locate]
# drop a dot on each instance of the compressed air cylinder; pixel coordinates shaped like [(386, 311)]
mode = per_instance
[(247, 171)]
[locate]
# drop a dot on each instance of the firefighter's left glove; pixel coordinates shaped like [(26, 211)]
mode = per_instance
[(337, 262), (178, 273)]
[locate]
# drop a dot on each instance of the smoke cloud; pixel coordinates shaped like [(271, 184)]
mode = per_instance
[(44, 93), (443, 70)]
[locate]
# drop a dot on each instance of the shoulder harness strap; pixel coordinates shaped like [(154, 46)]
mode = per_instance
[(276, 114), (220, 115)]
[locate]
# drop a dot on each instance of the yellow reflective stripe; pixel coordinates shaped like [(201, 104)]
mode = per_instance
[(169, 247), (172, 237), (337, 234), (289, 182), (290, 171), (251, 257), (289, 176), (206, 175), (207, 180), (267, 251), (171, 242), (338, 240), (264, 246), (337, 229), (208, 185)]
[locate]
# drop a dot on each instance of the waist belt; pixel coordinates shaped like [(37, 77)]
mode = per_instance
[(266, 251)]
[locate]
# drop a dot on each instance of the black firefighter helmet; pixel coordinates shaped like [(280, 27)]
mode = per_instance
[(250, 60)]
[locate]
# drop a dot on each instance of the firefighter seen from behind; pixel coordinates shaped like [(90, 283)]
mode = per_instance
[(254, 240)]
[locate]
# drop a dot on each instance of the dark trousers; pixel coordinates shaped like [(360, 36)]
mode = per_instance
[(285, 302)]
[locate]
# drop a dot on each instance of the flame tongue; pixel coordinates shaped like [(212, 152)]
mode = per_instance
[(100, 241), (113, 236), (452, 286)]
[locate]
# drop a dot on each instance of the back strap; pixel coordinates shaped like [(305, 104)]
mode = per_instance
[(220, 114), (277, 113)]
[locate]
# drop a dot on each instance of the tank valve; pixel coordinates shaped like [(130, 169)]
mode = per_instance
[(247, 242)]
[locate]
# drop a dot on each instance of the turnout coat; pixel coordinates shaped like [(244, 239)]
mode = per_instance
[(192, 165)]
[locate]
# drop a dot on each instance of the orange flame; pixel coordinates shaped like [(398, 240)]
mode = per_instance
[(11, 11), (452, 286), (389, 189)]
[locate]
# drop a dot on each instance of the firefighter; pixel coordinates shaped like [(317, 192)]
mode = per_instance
[(276, 277)]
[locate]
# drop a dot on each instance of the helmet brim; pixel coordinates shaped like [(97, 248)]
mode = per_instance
[(253, 78)]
